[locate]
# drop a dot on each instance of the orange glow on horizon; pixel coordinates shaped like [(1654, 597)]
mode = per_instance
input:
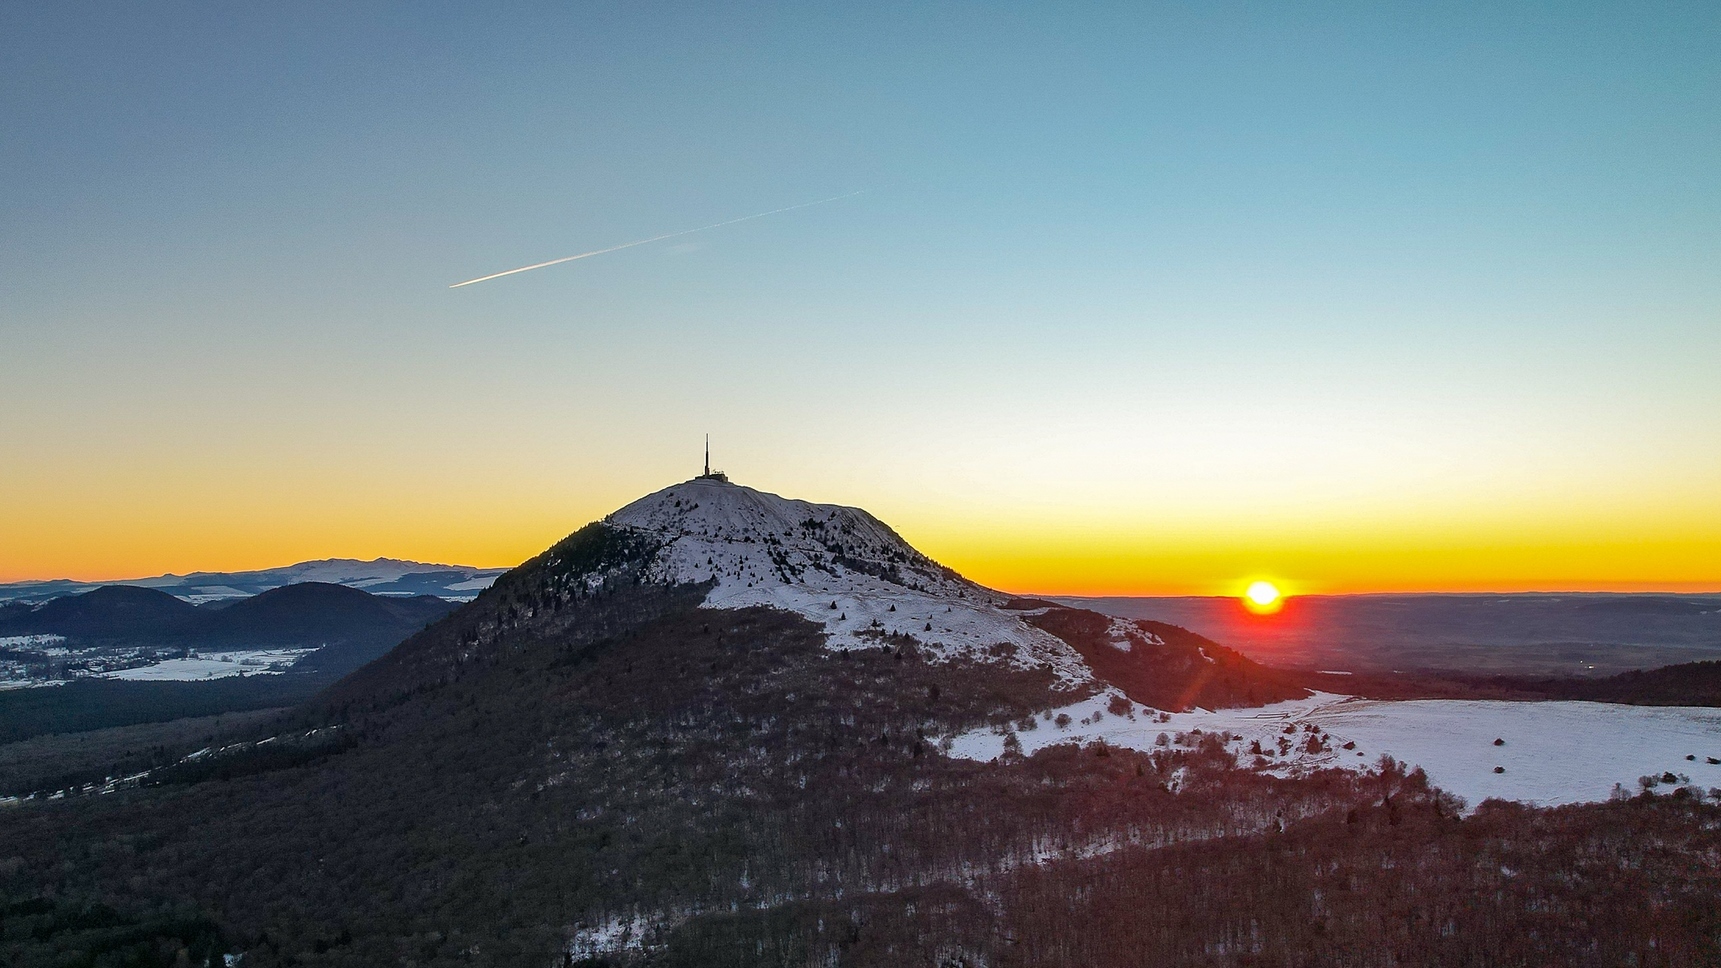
[(97, 550), (99, 530), (1482, 561)]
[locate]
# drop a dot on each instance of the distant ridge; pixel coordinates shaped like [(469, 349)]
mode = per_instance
[(1528, 633), (348, 626), (391, 577)]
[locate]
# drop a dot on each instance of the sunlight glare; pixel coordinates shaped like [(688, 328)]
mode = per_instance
[(1263, 597)]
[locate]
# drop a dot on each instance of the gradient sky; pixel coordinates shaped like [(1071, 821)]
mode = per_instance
[(1139, 298)]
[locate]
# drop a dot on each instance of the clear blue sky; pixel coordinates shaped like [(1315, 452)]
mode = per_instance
[(1159, 294)]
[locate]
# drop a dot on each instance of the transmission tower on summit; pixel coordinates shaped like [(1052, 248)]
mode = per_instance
[(711, 475)]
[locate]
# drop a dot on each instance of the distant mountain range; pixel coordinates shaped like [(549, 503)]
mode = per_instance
[(75, 643), (383, 576), (348, 627)]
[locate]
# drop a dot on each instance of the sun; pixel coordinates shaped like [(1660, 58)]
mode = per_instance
[(1263, 598)]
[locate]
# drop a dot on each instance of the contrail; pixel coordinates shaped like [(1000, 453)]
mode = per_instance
[(655, 238)]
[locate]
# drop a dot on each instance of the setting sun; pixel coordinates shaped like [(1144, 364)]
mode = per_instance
[(1263, 597)]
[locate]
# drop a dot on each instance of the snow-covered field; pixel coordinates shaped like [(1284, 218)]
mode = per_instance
[(21, 683), (1553, 752), (214, 665), (830, 564), (36, 642)]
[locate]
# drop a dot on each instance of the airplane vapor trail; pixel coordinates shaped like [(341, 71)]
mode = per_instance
[(655, 238)]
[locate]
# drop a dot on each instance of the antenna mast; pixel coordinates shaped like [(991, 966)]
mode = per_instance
[(711, 475)]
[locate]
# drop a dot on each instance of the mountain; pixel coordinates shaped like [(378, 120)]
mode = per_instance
[(349, 626), (864, 588), (383, 576), (109, 612), (814, 560), (711, 729)]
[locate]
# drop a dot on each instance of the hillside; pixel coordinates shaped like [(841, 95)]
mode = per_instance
[(108, 613), (351, 627), (1685, 684), (1164, 666), (1688, 684)]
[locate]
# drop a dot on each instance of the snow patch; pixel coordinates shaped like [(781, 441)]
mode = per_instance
[(1089, 720), (1550, 753), (1124, 635), (617, 934), (38, 641), (837, 566), (249, 662)]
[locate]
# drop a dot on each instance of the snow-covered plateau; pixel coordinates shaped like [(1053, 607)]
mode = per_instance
[(838, 566), (1549, 753)]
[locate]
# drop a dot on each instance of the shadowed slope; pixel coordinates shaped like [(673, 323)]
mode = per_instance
[(1164, 666)]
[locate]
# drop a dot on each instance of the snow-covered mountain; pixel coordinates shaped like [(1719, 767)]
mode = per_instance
[(838, 566), (383, 576)]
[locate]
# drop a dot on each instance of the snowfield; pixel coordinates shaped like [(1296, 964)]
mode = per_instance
[(838, 566), (215, 665), (1553, 752), (39, 641)]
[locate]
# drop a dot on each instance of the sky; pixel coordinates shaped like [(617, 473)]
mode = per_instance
[(1135, 299)]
